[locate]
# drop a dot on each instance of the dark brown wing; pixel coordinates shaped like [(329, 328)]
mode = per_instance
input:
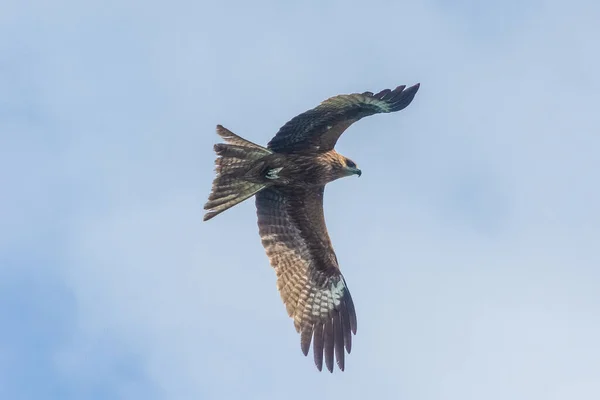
[(293, 232), (319, 129)]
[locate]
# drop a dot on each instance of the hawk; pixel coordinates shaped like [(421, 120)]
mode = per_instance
[(288, 178)]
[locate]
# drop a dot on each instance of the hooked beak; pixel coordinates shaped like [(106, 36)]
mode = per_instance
[(354, 171)]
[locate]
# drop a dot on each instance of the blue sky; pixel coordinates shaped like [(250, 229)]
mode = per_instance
[(470, 243)]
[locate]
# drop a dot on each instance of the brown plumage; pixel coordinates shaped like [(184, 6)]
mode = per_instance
[(288, 178)]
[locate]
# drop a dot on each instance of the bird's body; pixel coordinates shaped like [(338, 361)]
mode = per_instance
[(288, 178), (297, 170)]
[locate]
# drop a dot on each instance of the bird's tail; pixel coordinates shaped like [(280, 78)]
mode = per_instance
[(233, 161)]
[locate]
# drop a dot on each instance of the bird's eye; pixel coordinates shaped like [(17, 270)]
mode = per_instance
[(350, 163)]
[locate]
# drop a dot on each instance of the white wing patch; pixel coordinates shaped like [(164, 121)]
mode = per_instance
[(382, 105), (273, 173), (337, 291), (322, 302)]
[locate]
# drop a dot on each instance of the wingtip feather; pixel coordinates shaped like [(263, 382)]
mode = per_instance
[(318, 346), (305, 339)]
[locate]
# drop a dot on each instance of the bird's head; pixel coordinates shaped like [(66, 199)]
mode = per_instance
[(338, 166), (349, 167)]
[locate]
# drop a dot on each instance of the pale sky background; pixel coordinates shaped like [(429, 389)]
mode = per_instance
[(471, 243)]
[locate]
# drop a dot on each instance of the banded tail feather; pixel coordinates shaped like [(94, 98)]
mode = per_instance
[(231, 186)]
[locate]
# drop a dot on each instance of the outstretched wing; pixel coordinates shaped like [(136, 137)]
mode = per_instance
[(293, 232), (318, 129)]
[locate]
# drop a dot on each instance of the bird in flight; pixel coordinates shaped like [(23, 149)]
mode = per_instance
[(288, 178)]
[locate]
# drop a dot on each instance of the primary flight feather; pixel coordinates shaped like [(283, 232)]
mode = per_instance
[(288, 178)]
